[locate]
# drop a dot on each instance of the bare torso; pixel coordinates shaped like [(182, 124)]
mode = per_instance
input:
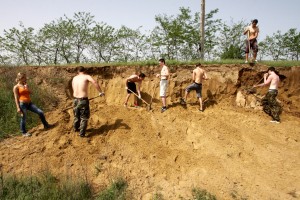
[(164, 74), (253, 32), (80, 85), (274, 81), (134, 78), (199, 75)]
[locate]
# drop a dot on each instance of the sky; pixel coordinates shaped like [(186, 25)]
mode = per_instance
[(272, 15)]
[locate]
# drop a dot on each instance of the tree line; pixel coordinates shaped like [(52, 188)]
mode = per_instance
[(81, 39)]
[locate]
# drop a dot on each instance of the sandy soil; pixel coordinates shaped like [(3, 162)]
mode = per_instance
[(232, 151)]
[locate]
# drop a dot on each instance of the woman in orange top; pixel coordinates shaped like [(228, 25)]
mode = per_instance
[(23, 103)]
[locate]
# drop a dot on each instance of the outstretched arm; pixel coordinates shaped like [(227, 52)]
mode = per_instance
[(266, 81), (97, 86)]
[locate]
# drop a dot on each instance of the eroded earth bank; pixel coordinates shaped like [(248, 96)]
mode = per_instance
[(231, 149)]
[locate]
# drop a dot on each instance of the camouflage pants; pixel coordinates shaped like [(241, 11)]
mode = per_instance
[(271, 106), (81, 114)]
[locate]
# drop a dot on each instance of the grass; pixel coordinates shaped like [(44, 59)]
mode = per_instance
[(48, 187), (282, 63), (43, 188), (199, 194), (117, 190), (279, 63)]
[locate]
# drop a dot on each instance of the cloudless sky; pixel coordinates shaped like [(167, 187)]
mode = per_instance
[(272, 15)]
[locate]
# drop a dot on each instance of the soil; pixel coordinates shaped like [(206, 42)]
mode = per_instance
[(231, 149)]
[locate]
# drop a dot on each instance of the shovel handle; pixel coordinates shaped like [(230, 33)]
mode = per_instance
[(138, 96), (72, 106)]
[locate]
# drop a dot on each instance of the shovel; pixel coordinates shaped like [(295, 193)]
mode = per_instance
[(251, 89), (72, 106), (250, 54), (148, 105)]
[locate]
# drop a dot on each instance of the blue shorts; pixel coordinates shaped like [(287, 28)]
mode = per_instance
[(197, 87)]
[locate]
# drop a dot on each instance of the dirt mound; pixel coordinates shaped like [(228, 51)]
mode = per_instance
[(232, 151)]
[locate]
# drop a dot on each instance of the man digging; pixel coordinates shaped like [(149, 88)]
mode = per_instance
[(269, 103), (252, 34)]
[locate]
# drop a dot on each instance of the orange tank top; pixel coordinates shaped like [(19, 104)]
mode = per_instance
[(23, 93)]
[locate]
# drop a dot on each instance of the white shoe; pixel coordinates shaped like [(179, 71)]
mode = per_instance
[(246, 61), (275, 121), (26, 134)]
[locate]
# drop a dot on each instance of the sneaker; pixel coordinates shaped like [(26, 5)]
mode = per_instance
[(82, 135), (246, 61), (163, 109), (201, 110), (255, 61), (26, 134), (275, 121), (125, 104), (182, 101)]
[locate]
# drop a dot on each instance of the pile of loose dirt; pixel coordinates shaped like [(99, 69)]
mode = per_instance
[(232, 151)]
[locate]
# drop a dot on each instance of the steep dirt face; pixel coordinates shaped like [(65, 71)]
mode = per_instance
[(232, 151)]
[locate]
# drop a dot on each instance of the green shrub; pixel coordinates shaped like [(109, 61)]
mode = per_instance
[(116, 191), (44, 188), (199, 194)]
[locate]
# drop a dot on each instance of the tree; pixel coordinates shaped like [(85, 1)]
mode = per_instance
[(275, 46), (131, 44), (103, 42), (17, 44), (232, 41), (178, 37), (212, 28), (80, 33), (4, 59), (291, 40)]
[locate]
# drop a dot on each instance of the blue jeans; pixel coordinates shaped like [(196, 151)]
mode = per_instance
[(33, 108)]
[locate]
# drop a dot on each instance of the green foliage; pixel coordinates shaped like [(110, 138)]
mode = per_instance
[(199, 194), (80, 39), (116, 191), (233, 52), (43, 188), (291, 40)]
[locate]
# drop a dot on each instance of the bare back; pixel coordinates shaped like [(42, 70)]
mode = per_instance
[(80, 85), (134, 78), (198, 75), (274, 81)]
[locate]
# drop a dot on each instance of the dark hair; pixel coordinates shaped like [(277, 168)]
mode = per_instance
[(142, 75), (198, 65), (81, 69), (255, 21), (162, 60), (271, 69)]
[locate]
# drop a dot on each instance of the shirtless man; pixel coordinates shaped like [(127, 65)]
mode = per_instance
[(81, 102), (131, 87), (199, 75), (270, 105), (164, 76), (252, 32)]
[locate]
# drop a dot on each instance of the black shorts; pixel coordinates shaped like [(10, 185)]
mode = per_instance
[(253, 46), (131, 86)]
